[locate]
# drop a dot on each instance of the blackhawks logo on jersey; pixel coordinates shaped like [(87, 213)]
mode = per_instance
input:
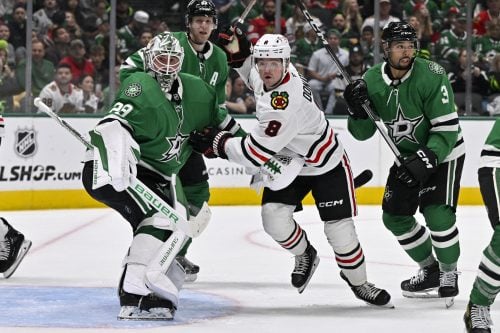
[(279, 100), (133, 90)]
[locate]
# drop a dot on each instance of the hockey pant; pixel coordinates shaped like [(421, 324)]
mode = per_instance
[(278, 222)]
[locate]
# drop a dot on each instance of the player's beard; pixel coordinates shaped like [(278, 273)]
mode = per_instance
[(401, 67)]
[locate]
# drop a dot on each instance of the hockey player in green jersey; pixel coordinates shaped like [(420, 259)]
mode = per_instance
[(487, 284), (413, 97), (207, 61), (144, 135)]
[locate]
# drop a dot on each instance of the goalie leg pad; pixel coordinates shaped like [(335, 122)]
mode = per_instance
[(278, 222), (341, 235)]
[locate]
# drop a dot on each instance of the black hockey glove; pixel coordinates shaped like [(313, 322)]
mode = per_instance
[(418, 167), (210, 142), (234, 42), (355, 95)]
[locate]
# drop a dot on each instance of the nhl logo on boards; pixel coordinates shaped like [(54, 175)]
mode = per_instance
[(279, 100), (133, 90), (25, 145)]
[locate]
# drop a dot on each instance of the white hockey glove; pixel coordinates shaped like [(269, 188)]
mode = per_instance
[(116, 155), (278, 172)]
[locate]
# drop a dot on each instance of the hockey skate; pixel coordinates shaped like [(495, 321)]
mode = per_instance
[(370, 294), (448, 287), (423, 285), (191, 269), (13, 249), (305, 265), (477, 318), (150, 307)]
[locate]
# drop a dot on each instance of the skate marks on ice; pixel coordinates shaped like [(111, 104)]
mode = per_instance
[(33, 306)]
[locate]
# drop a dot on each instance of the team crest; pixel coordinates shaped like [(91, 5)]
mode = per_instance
[(436, 68), (133, 90), (279, 100), (26, 145), (175, 147)]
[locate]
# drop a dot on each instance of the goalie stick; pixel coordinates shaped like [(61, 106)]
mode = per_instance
[(193, 227), (373, 116)]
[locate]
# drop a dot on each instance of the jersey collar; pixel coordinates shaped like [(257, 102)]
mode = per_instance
[(391, 82)]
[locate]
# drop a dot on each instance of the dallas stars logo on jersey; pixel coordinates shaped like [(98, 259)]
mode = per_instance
[(175, 147), (279, 100), (404, 128)]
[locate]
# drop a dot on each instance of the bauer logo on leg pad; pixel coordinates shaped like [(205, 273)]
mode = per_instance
[(146, 194)]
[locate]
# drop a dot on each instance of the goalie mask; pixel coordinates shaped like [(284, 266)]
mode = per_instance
[(272, 46), (397, 32), (163, 59), (200, 8)]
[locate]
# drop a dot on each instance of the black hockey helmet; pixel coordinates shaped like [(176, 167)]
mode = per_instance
[(201, 8)]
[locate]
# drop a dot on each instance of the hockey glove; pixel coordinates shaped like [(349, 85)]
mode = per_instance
[(418, 167), (355, 95), (116, 155), (210, 142), (236, 45)]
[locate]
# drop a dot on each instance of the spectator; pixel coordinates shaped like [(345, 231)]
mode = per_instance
[(123, 13), (61, 95), (325, 79), (145, 36), (17, 27), (73, 6), (42, 70), (356, 68), (128, 34), (90, 97), (223, 8), (77, 62), (7, 81), (102, 36), (250, 102), (423, 28), (352, 14), (72, 26), (452, 41), (493, 106), (367, 44), (347, 37), (4, 35), (97, 55), (492, 11), (264, 24), (305, 47), (488, 45), (234, 103), (59, 48), (480, 84), (424, 9), (385, 17), (42, 18), (106, 93), (295, 26)]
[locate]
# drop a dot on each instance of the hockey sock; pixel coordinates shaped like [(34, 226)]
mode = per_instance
[(444, 233)]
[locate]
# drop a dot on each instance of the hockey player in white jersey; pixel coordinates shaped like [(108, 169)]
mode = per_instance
[(290, 124), (13, 246)]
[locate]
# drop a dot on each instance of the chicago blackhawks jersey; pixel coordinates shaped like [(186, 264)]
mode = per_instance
[(209, 65), (288, 120), (490, 155), (418, 110), (55, 99), (161, 123)]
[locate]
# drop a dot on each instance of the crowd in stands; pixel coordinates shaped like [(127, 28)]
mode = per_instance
[(70, 46)]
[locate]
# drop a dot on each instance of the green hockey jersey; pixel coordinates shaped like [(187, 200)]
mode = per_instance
[(417, 110), (210, 66), (161, 126)]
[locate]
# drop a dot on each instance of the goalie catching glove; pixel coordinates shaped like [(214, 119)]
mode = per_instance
[(116, 155), (417, 168), (210, 142), (236, 45), (356, 95)]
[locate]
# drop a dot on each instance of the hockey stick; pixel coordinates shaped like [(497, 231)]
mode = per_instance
[(364, 177), (245, 13), (233, 46), (193, 227), (376, 119)]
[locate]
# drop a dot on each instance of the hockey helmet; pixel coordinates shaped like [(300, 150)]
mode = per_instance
[(163, 58), (201, 8), (273, 46)]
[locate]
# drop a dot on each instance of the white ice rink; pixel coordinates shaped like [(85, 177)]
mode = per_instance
[(67, 282)]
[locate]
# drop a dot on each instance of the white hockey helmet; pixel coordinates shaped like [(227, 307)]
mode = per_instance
[(273, 46), (163, 58)]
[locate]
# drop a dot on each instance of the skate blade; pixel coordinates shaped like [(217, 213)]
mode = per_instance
[(136, 314), (190, 277), (449, 302), (20, 256), (388, 305), (428, 293), (313, 269)]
